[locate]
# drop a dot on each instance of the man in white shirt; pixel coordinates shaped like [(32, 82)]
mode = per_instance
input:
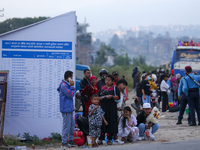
[(164, 87)]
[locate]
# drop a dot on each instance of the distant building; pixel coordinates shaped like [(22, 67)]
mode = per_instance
[(110, 61), (83, 45)]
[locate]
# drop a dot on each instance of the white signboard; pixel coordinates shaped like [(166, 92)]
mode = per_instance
[(37, 58)]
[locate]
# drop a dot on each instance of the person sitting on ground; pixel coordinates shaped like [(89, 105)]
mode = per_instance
[(141, 121), (96, 114), (127, 126)]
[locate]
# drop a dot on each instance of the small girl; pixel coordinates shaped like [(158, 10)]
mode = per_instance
[(96, 114), (127, 126)]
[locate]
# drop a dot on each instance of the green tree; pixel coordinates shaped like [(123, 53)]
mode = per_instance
[(15, 23), (122, 60), (102, 53), (140, 60)]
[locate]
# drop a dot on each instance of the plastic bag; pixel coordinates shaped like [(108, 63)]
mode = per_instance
[(148, 135)]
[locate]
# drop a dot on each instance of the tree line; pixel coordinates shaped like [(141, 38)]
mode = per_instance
[(15, 23)]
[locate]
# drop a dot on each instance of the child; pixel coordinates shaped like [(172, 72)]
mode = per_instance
[(95, 119), (127, 126)]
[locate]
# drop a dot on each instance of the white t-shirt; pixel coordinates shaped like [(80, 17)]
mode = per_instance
[(164, 86)]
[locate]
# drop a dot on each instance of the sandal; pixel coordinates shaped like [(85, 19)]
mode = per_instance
[(94, 145), (109, 143)]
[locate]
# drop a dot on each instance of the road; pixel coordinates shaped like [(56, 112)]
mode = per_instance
[(181, 145)]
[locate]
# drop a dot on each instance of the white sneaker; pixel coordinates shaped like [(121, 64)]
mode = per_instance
[(140, 138), (118, 142), (104, 142)]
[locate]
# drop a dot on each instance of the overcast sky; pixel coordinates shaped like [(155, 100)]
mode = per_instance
[(109, 14)]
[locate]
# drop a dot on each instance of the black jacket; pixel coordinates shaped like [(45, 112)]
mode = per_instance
[(141, 118), (100, 83), (84, 83)]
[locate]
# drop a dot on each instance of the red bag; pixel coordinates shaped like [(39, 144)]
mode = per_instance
[(79, 138)]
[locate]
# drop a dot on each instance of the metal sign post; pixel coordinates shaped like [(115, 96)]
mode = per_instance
[(3, 89)]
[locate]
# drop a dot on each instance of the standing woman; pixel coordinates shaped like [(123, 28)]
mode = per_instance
[(108, 94), (164, 87), (90, 90)]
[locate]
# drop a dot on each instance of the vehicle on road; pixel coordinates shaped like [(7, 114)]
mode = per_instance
[(186, 54)]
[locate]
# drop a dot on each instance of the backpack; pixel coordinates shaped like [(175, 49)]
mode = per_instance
[(174, 83), (83, 125), (139, 89)]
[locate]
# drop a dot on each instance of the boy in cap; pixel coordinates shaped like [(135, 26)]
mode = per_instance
[(141, 121)]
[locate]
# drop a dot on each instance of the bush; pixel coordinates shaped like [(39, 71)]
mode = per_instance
[(123, 70)]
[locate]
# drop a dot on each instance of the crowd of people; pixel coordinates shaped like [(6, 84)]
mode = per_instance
[(172, 89), (104, 103)]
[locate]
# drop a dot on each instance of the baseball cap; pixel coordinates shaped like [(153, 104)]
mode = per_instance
[(146, 105), (114, 73)]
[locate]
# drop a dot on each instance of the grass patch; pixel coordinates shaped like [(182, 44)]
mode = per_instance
[(15, 141)]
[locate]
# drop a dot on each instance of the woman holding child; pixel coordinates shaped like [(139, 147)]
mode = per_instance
[(108, 94)]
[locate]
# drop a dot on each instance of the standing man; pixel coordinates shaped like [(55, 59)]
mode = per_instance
[(83, 84), (191, 89), (133, 76), (116, 77), (146, 92), (184, 101), (85, 81), (67, 92), (103, 74), (137, 79)]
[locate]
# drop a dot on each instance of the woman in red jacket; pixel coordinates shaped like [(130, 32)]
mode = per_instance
[(90, 90)]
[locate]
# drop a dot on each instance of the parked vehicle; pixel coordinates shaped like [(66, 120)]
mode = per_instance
[(186, 54), (79, 76)]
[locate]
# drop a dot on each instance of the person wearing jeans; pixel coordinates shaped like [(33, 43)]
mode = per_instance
[(146, 92), (142, 128), (141, 121)]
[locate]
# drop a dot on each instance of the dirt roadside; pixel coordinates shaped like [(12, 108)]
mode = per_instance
[(168, 130)]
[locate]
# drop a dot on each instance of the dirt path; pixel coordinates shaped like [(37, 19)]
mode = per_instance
[(168, 131)]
